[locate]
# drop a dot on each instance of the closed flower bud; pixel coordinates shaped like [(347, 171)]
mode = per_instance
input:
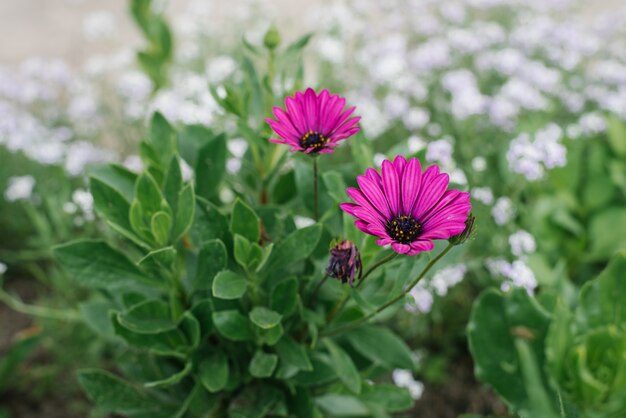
[(272, 38), (345, 262), (467, 233)]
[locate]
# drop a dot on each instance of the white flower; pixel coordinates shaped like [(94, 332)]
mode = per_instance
[(19, 188), (302, 222), (479, 164), (503, 211), (422, 299), (522, 243), (219, 68), (447, 277), (482, 194), (84, 200), (440, 151), (99, 25), (416, 143), (416, 118), (404, 379), (3, 268)]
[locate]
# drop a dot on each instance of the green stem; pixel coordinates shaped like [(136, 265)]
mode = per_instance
[(39, 311), (375, 266), (392, 301), (343, 301), (315, 192)]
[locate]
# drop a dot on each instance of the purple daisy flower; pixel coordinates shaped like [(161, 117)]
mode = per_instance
[(406, 207), (313, 123)]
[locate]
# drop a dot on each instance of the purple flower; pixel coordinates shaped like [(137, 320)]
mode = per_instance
[(313, 123), (406, 207), (345, 262)]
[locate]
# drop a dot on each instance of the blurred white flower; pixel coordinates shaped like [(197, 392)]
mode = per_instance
[(522, 243), (503, 211), (483, 195), (3, 268), (440, 151), (303, 222), (19, 188), (479, 164), (220, 68), (404, 379), (416, 143)]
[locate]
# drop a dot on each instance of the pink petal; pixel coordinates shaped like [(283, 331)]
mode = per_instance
[(433, 186), (400, 248), (374, 194), (310, 109), (411, 184), (420, 246), (295, 113), (391, 186)]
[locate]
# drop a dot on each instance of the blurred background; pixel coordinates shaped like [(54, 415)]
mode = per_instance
[(480, 77)]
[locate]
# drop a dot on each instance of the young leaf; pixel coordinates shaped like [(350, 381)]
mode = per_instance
[(160, 226), (110, 203), (245, 222), (346, 370), (184, 211), (342, 405), (98, 266), (214, 372), (264, 318), (229, 285), (173, 379), (232, 325), (263, 364)]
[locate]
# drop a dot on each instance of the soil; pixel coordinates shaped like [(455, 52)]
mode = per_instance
[(460, 394)]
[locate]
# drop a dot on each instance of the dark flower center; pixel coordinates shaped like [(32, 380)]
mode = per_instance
[(313, 140), (403, 229)]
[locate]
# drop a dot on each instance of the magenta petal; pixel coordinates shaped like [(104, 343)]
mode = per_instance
[(420, 246), (432, 187), (384, 241), (374, 194), (391, 186), (295, 113), (411, 184)]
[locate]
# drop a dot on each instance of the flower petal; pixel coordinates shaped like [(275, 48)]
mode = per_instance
[(374, 194), (391, 186), (411, 184)]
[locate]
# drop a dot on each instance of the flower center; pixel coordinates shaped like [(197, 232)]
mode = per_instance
[(313, 140), (403, 229)]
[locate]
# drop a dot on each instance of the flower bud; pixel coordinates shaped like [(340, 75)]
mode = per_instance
[(345, 262), (272, 38), (467, 233)]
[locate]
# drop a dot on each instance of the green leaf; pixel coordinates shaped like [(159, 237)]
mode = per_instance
[(147, 192), (112, 394), (381, 346), (298, 45), (342, 405), (263, 364), (173, 183), (264, 318), (272, 335), (391, 397), (184, 212), (601, 300), (293, 354), (232, 325), (284, 297), (149, 317), (163, 138), (19, 349), (96, 315), (335, 185), (296, 247), (496, 322), (603, 245), (214, 372), (209, 223), (210, 167), (173, 379), (110, 203), (96, 265), (342, 363), (229, 285), (212, 259), (169, 343), (160, 226), (362, 152), (617, 135), (159, 261), (116, 177), (245, 222)]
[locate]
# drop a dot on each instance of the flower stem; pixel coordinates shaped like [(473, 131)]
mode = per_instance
[(392, 301), (342, 302), (315, 192), (375, 266), (39, 311)]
